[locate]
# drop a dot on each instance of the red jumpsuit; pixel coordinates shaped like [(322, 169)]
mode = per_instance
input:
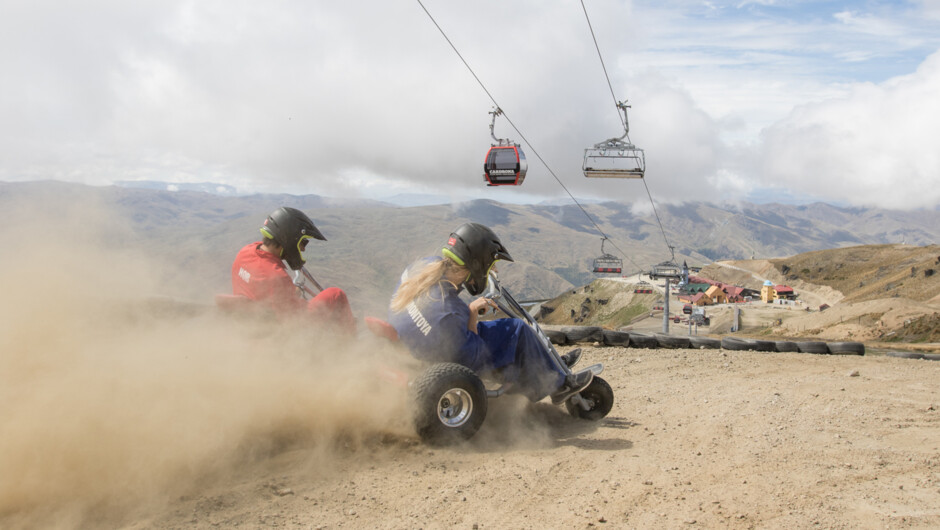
[(260, 275)]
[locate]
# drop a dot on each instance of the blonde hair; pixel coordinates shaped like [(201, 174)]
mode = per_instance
[(421, 281)]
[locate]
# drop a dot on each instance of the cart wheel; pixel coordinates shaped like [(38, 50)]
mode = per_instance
[(450, 402), (600, 399)]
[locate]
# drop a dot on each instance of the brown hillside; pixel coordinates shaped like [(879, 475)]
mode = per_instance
[(869, 272), (610, 303), (875, 293)]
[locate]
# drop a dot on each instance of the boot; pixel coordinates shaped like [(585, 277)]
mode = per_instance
[(571, 358), (574, 383)]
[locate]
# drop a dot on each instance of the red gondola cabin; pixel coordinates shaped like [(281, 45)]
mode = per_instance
[(505, 165)]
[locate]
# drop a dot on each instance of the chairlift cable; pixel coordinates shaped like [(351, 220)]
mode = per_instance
[(622, 121), (522, 136), (656, 213), (524, 139), (603, 66)]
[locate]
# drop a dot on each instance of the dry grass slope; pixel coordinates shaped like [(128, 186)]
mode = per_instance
[(877, 293), (869, 272), (606, 303)]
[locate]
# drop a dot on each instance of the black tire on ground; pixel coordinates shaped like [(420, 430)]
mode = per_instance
[(642, 340), (616, 338), (735, 343), (765, 345), (599, 396), (813, 347), (556, 336), (905, 354), (786, 346), (450, 402), (704, 343), (672, 341), (578, 334), (846, 348)]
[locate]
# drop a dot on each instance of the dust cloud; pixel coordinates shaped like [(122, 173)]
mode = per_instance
[(113, 401)]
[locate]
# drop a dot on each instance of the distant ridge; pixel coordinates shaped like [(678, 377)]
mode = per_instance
[(205, 187), (370, 242)]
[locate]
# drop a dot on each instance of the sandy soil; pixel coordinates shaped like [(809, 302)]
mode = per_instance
[(114, 415), (697, 438)]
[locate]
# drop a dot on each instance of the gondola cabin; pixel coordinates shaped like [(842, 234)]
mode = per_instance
[(614, 160), (608, 264), (505, 165)]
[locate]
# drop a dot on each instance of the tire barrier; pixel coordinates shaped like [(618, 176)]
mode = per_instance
[(704, 343), (556, 336), (905, 354), (616, 338), (672, 341), (642, 340), (846, 348), (578, 334), (737, 344), (632, 339), (813, 347), (765, 345)]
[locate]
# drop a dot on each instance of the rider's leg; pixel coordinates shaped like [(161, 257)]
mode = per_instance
[(521, 357), (332, 306)]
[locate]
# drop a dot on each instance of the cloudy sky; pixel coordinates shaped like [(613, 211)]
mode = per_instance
[(760, 100)]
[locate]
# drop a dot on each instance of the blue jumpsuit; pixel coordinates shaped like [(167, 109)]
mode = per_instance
[(434, 328)]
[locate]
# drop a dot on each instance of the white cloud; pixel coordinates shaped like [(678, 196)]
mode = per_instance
[(876, 146), (351, 98), (931, 7)]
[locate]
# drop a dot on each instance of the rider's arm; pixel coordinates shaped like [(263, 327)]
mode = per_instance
[(476, 306)]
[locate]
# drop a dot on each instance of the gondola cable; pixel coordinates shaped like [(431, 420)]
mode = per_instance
[(623, 121), (524, 139)]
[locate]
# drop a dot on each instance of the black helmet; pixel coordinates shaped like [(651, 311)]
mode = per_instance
[(290, 228), (476, 247)]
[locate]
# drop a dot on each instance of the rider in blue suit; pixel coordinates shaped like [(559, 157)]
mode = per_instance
[(437, 326)]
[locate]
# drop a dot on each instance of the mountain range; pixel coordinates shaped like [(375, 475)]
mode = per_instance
[(191, 236)]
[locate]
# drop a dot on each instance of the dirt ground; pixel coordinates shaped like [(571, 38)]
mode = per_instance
[(696, 438), (118, 416)]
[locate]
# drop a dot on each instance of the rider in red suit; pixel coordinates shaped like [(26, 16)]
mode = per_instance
[(259, 273)]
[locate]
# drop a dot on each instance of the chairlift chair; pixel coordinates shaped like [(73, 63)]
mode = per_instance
[(615, 158), (607, 263), (505, 163), (666, 270)]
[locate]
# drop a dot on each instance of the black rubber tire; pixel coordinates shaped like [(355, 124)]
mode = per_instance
[(765, 345), (905, 354), (704, 343), (672, 341), (846, 348), (578, 334), (450, 404), (601, 397), (813, 347), (556, 336), (737, 344), (642, 340), (616, 338), (786, 346)]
